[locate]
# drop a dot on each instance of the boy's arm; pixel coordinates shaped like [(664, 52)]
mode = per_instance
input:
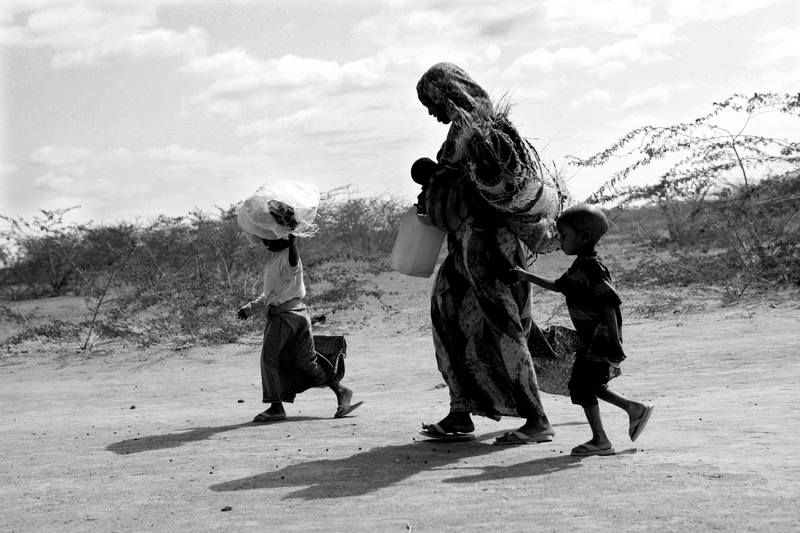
[(610, 320), (523, 275)]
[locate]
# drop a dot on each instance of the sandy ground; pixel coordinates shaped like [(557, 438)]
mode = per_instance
[(122, 439)]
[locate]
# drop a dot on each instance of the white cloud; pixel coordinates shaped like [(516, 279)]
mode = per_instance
[(683, 11), (154, 43), (617, 16), (7, 168), (232, 62), (57, 156), (76, 158), (83, 35), (180, 163), (603, 60), (306, 121), (275, 82), (180, 155), (778, 46), (52, 180), (654, 96), (594, 96)]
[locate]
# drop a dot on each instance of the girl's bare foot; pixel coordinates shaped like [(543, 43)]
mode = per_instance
[(343, 398)]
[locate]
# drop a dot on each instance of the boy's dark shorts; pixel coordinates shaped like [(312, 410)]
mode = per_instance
[(589, 376)]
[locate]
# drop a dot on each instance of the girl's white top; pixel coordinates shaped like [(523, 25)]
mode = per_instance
[(282, 282)]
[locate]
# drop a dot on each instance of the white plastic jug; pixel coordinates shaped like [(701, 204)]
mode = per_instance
[(417, 245)]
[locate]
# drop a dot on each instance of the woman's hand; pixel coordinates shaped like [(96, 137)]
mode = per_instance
[(241, 314)]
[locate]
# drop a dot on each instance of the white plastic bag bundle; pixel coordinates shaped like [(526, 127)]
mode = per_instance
[(279, 208)]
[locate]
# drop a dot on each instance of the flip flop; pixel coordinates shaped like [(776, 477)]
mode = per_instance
[(265, 418), (344, 410), (518, 437), (637, 426), (587, 450), (435, 432)]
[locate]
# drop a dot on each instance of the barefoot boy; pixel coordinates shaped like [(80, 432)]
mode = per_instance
[(594, 308)]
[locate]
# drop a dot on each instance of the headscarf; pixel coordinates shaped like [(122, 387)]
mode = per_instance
[(450, 88)]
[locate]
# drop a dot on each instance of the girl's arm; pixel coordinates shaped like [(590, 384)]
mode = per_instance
[(294, 256), (523, 275), (251, 308)]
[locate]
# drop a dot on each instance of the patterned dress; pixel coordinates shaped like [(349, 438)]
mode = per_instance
[(481, 323)]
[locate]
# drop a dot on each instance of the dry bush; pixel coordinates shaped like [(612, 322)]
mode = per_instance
[(725, 209), (184, 277)]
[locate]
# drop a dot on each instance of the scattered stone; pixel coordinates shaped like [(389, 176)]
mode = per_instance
[(133, 407)]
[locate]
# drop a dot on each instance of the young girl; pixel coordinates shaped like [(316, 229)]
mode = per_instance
[(289, 362)]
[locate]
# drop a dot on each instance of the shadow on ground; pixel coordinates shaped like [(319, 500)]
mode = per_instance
[(173, 440), (536, 467), (381, 467)]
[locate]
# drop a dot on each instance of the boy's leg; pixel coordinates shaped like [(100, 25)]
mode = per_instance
[(584, 386), (599, 437), (636, 410), (599, 445)]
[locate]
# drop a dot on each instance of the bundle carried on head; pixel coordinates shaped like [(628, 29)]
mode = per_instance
[(508, 174), (279, 208)]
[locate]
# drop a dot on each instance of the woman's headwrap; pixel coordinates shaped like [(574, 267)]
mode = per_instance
[(449, 87)]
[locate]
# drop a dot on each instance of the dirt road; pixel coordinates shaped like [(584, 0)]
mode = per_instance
[(129, 440)]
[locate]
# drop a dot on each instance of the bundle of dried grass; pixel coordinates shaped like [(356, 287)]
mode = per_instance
[(508, 173)]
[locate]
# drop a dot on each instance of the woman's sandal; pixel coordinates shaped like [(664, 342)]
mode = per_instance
[(265, 417), (435, 432)]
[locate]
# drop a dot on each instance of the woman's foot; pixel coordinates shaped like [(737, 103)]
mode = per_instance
[(535, 428), (275, 413), (454, 422)]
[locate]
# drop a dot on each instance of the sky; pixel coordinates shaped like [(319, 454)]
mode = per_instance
[(134, 109)]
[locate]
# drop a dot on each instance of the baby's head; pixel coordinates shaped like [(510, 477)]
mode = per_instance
[(588, 222), (422, 170)]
